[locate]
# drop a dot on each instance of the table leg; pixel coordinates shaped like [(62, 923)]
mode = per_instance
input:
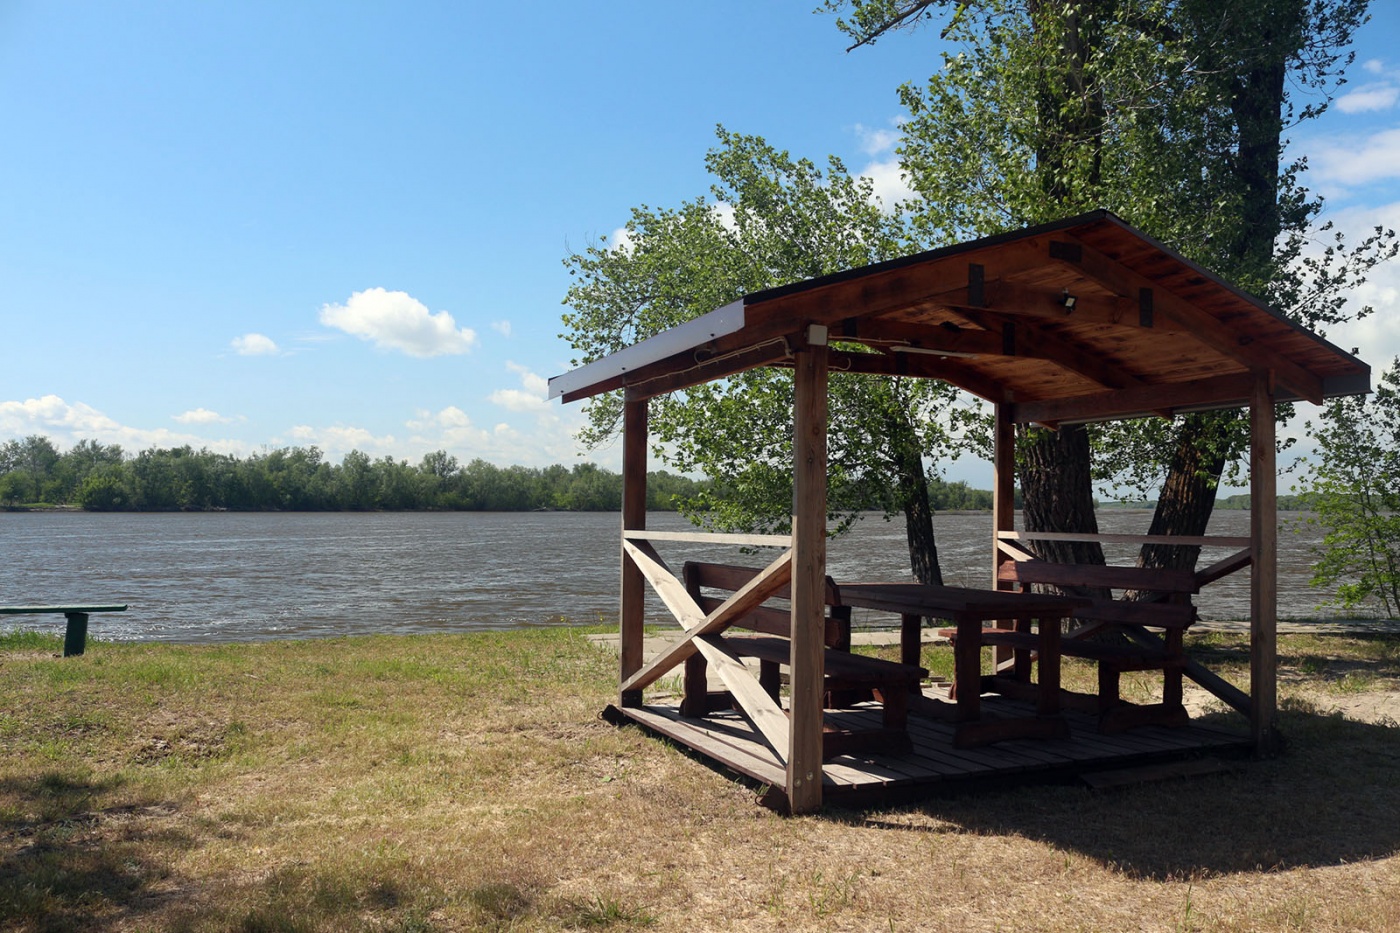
[(1049, 664), (911, 639), (967, 668)]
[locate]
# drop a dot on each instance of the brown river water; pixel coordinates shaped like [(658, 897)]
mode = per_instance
[(214, 577)]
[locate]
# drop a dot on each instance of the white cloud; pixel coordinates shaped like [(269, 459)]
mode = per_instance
[(253, 345), (517, 400), (1369, 97), (1373, 66), (890, 185), (724, 212), (884, 170), (450, 428), (502, 327), (201, 416), (1357, 162), (398, 321), (532, 396), (876, 141), (1377, 337), (621, 240), (337, 441), (549, 440), (66, 423)]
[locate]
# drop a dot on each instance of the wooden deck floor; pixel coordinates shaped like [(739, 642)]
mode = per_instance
[(934, 765)]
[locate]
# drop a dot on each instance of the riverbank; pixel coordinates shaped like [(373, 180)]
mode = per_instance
[(462, 782)]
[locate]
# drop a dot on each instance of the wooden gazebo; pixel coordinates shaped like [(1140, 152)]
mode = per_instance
[(1082, 320)]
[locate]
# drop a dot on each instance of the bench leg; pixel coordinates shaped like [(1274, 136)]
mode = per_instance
[(1171, 687), (896, 707), (695, 695), (770, 678), (75, 637), (1108, 686)]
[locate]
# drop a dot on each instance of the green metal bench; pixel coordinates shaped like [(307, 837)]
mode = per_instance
[(75, 637)]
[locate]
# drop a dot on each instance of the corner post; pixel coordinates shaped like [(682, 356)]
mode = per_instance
[(1003, 504), (1263, 584), (1003, 486), (632, 613), (804, 765)]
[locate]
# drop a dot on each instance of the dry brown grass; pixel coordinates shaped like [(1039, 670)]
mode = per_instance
[(463, 783)]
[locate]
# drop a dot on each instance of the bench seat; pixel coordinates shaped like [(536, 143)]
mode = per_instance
[(75, 633), (1172, 614), (847, 678)]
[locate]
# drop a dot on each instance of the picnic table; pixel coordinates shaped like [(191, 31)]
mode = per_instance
[(75, 636), (969, 609)]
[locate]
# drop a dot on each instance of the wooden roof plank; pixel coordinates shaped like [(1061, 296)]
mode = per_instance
[(1239, 346)]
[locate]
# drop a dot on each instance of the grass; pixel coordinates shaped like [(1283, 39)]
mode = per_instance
[(466, 783)]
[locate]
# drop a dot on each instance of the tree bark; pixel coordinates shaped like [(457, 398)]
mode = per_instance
[(1188, 494), (911, 490), (1057, 492)]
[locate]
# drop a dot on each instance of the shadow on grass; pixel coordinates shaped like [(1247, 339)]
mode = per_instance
[(1330, 799), (72, 867)]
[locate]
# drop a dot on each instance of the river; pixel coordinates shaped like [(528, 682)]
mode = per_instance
[(214, 577)]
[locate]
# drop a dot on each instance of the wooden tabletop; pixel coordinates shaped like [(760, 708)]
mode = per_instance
[(951, 602)]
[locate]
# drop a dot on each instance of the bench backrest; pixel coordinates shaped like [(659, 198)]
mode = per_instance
[(769, 619), (1172, 610)]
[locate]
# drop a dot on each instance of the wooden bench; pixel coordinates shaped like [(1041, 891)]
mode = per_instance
[(848, 678), (75, 635), (1170, 612)]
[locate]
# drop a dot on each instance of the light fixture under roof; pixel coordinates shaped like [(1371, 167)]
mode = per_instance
[(932, 351)]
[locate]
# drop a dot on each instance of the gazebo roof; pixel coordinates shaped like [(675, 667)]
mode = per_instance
[(1084, 319)]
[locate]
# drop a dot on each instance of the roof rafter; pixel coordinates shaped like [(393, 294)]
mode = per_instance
[(1125, 282)]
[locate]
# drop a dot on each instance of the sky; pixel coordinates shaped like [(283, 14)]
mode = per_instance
[(252, 225)]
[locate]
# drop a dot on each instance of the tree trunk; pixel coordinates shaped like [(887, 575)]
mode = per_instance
[(1058, 495), (1188, 495), (911, 490)]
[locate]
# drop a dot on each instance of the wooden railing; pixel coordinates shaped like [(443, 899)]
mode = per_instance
[(762, 710)]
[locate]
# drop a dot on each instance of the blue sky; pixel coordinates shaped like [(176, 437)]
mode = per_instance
[(254, 224)]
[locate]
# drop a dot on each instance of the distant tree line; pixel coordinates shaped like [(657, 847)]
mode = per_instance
[(103, 478), (1302, 502)]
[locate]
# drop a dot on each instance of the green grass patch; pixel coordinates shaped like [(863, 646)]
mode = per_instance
[(20, 640), (466, 782)]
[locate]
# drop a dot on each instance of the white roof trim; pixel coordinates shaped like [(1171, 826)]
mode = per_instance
[(687, 336)]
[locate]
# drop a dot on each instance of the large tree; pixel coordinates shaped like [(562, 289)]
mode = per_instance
[(1172, 113), (768, 220)]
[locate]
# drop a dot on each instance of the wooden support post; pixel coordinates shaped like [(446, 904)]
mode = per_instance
[(1263, 596), (634, 518), (1003, 504), (1003, 488), (804, 764)]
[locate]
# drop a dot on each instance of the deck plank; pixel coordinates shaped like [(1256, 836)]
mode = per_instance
[(731, 740)]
